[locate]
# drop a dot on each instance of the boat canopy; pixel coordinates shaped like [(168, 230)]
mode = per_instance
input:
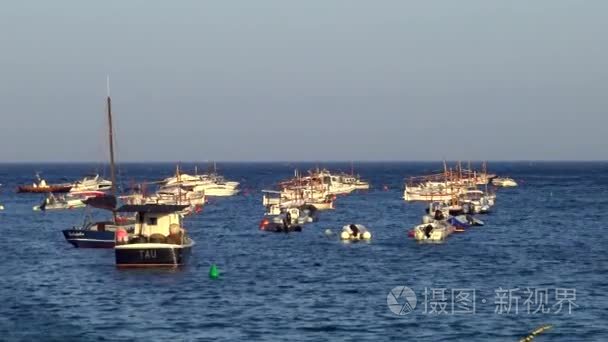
[(152, 208), (107, 202)]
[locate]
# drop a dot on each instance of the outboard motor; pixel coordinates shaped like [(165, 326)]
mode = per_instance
[(427, 230)]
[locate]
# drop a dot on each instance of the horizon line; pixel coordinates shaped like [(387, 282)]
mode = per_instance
[(310, 161)]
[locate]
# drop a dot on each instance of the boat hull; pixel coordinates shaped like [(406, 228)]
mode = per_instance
[(280, 228), (89, 239), (42, 190), (438, 233), (152, 255)]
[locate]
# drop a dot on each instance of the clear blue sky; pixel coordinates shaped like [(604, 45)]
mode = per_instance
[(305, 80)]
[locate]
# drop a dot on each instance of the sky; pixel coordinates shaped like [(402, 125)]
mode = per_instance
[(267, 80)]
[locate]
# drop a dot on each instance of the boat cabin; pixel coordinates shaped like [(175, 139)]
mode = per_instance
[(154, 223)]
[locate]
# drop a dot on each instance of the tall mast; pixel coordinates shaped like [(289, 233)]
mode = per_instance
[(111, 140)]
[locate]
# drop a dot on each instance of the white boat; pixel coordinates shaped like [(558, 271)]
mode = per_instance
[(191, 201), (431, 191), (287, 200), (504, 182), (294, 215), (218, 189), (281, 219), (476, 201), (334, 183), (444, 186), (434, 227), (211, 184), (324, 182), (178, 196), (91, 183), (60, 202), (355, 232), (354, 181), (433, 231)]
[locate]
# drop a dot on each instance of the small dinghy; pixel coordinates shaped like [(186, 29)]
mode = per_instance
[(355, 232), (284, 220), (435, 231), (465, 221), (435, 228), (158, 239)]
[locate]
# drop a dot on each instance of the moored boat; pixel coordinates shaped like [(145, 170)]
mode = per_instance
[(100, 234), (504, 182), (282, 219), (158, 238), (60, 202), (355, 232), (435, 231), (94, 234), (41, 186), (91, 183)]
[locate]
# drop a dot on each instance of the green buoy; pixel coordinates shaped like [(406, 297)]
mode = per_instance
[(213, 272)]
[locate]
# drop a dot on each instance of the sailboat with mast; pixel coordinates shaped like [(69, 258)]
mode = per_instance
[(100, 234)]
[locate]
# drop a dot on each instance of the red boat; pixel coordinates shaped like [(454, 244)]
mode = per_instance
[(41, 187)]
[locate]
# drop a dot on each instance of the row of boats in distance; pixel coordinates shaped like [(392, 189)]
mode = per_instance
[(453, 198), (156, 219), (178, 190), (298, 200)]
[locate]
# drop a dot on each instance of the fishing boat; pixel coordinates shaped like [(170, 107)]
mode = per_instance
[(504, 182), (430, 191), (296, 197), (444, 186), (41, 186), (355, 181), (158, 239), (333, 184), (355, 232)]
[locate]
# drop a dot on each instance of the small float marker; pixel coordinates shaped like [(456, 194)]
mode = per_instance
[(213, 272), (535, 333)]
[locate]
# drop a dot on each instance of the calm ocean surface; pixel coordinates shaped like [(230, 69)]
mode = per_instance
[(547, 234)]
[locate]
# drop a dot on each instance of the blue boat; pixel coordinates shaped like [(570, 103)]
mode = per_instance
[(95, 234)]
